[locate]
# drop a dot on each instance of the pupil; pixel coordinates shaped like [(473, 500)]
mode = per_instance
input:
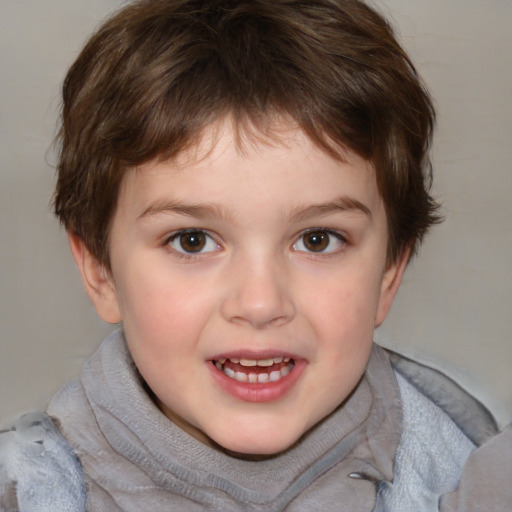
[(193, 242), (316, 241)]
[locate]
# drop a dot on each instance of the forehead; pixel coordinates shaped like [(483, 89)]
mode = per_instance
[(276, 164)]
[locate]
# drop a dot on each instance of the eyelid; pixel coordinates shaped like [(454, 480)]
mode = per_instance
[(184, 254), (341, 238)]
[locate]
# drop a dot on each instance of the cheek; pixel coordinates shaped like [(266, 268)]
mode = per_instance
[(162, 309), (163, 322), (343, 319), (348, 305)]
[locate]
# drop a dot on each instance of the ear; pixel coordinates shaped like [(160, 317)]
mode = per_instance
[(97, 280), (390, 284)]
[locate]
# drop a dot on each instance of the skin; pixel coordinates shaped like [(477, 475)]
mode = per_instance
[(259, 286)]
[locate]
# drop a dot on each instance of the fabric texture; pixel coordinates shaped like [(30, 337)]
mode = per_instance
[(135, 459), (388, 448), (429, 459), (486, 481), (39, 471), (470, 415)]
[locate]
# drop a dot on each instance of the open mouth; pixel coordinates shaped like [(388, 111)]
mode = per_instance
[(255, 371)]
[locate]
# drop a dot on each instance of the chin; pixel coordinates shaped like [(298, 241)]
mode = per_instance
[(255, 452), (261, 445)]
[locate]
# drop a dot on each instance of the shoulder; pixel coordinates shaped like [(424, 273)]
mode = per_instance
[(433, 449), (38, 468), (466, 412), (486, 479), (430, 456), (443, 426)]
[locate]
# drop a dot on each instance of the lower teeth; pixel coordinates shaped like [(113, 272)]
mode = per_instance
[(253, 378)]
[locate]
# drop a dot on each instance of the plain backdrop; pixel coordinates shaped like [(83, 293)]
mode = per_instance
[(454, 309)]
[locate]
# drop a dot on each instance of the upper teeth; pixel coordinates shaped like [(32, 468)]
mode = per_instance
[(260, 377), (256, 362)]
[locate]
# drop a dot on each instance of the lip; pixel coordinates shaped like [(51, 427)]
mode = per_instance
[(257, 392), (253, 354)]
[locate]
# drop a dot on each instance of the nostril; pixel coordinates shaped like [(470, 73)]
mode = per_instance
[(261, 321), (257, 295), (259, 313)]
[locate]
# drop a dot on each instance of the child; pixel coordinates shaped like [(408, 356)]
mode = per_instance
[(243, 183)]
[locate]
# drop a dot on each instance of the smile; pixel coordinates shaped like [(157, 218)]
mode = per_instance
[(255, 371)]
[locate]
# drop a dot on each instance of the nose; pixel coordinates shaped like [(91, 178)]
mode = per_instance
[(259, 294)]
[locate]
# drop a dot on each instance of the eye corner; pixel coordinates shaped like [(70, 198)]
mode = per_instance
[(319, 241), (191, 243)]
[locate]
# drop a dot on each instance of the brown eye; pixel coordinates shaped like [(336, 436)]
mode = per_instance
[(319, 241), (316, 241), (193, 242)]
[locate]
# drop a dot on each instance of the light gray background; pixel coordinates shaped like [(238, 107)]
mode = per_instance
[(454, 310)]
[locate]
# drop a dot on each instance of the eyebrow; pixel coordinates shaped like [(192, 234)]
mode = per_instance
[(342, 204), (297, 214), (190, 210)]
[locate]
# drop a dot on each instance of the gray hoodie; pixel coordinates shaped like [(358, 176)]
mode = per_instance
[(399, 443)]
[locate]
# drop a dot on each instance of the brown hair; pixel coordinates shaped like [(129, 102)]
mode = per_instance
[(159, 71)]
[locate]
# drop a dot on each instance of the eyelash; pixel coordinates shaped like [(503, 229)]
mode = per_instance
[(331, 234), (190, 254), (209, 239)]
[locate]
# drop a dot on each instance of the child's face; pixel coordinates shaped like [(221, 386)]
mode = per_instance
[(274, 254)]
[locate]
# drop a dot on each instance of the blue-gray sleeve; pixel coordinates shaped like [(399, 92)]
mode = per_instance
[(486, 481), (38, 468)]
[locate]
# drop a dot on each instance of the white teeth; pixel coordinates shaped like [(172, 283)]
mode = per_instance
[(285, 370), (230, 373), (254, 378), (241, 377), (263, 378), (274, 376), (263, 363), (247, 362)]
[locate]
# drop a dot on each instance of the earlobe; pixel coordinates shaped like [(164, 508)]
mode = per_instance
[(97, 280), (390, 285)]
